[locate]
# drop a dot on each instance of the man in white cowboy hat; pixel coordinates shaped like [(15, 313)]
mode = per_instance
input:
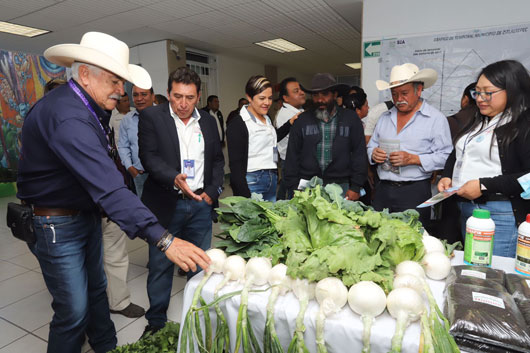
[(327, 141), (409, 143), (66, 172)]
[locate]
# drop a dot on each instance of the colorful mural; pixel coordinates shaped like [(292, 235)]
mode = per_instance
[(22, 80)]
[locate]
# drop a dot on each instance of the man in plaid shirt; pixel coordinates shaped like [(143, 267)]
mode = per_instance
[(327, 141)]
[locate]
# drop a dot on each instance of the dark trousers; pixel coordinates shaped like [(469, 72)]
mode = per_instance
[(70, 254), (192, 221), (400, 197), (282, 188)]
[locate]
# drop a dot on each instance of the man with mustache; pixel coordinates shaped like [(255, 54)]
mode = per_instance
[(67, 175), (327, 141), (409, 143)]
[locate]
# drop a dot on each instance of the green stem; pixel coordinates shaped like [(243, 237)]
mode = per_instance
[(321, 345), (270, 338), (427, 337), (402, 323), (300, 327), (241, 332), (367, 327)]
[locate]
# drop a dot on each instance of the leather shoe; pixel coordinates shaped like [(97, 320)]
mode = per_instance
[(150, 330), (132, 311)]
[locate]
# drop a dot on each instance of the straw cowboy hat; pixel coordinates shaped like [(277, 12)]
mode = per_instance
[(322, 82), (402, 74), (102, 50)]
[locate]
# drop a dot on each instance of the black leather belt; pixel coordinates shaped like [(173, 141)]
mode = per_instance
[(401, 183), (48, 211), (182, 196)]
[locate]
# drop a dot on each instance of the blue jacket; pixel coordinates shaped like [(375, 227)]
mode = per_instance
[(64, 163)]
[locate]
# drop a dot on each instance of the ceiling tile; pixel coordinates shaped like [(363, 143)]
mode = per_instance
[(221, 4), (9, 13), (323, 19), (50, 23), (276, 21), (180, 9), (283, 6), (107, 7), (143, 2), (211, 19), (177, 26), (295, 33), (236, 27), (216, 38), (247, 12), (144, 16), (70, 13), (28, 5)]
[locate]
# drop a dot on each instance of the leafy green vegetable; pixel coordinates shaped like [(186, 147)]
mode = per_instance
[(165, 340), (319, 234)]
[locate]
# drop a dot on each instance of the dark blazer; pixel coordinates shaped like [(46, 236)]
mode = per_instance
[(219, 116), (160, 155), (515, 162), (349, 162), (237, 140)]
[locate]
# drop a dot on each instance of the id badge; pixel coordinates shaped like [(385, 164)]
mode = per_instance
[(189, 168), (457, 171), (275, 154)]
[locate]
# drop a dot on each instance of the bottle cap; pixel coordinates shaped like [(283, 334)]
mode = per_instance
[(480, 213)]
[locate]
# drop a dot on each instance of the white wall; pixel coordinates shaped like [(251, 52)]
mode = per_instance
[(153, 58), (384, 19)]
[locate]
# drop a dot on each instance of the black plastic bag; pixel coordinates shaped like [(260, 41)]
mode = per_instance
[(519, 287), (484, 319), (478, 276)]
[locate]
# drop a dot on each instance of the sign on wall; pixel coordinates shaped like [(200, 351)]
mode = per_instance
[(372, 49), (457, 57)]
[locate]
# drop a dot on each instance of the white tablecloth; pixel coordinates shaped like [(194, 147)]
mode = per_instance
[(343, 330)]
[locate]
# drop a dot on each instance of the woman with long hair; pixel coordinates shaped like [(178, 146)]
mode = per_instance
[(493, 150), (252, 139)]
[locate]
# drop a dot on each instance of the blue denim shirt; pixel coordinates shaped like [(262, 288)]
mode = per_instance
[(128, 141), (426, 134), (64, 163)]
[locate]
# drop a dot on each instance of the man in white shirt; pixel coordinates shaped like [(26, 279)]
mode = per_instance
[(293, 99), (179, 148), (212, 108)]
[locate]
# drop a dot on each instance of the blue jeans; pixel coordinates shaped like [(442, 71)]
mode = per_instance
[(263, 182), (505, 238), (192, 221), (139, 183), (70, 253)]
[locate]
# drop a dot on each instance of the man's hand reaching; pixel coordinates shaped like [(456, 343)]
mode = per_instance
[(181, 184), (187, 256)]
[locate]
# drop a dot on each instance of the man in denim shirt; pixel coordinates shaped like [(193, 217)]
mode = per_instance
[(409, 143)]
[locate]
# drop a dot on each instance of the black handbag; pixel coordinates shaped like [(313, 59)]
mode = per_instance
[(20, 220)]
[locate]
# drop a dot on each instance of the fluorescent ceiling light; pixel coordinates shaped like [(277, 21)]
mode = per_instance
[(21, 30), (280, 45), (355, 66)]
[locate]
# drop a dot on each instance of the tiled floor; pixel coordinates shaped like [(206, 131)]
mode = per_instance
[(25, 310)]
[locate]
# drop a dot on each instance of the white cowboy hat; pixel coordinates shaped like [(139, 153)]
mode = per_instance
[(402, 74), (102, 50)]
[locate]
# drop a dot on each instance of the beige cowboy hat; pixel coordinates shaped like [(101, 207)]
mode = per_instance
[(402, 74), (102, 50)]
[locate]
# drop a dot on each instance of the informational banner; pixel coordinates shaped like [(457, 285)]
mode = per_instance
[(457, 57)]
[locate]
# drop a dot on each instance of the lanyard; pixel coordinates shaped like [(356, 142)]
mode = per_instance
[(466, 142), (89, 107), (186, 142)]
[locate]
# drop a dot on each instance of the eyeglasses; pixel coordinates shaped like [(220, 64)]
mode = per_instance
[(484, 95)]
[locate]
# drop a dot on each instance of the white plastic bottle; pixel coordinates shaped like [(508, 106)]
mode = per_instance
[(480, 229), (522, 257)]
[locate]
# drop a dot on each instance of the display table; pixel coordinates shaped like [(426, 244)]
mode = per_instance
[(343, 330)]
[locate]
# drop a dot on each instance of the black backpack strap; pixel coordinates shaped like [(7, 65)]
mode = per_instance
[(389, 104)]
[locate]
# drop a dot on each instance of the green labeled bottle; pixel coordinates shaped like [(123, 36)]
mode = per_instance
[(480, 229)]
